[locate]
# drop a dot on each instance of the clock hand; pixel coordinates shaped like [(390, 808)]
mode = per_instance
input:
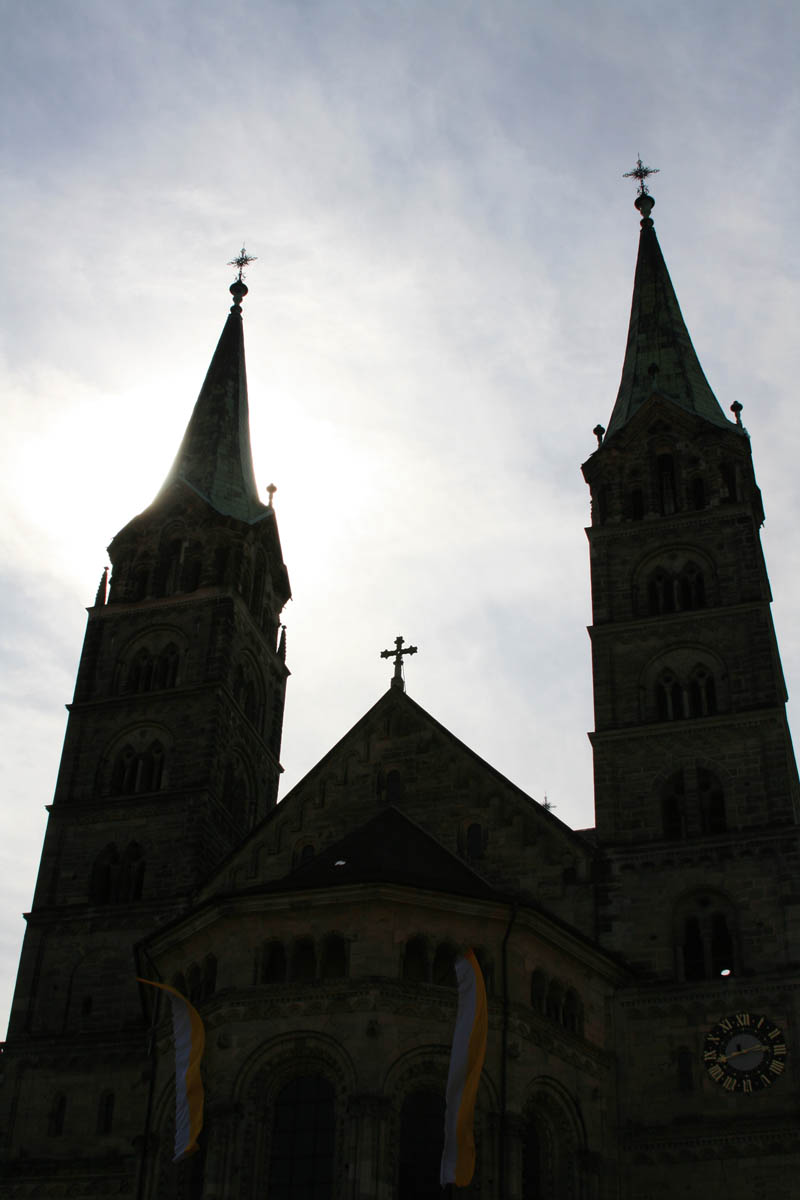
[(747, 1050)]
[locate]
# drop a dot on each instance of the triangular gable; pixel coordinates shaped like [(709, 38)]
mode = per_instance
[(398, 755)]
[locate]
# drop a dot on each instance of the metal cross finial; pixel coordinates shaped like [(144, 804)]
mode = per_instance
[(272, 490), (641, 172), (241, 262), (397, 655)]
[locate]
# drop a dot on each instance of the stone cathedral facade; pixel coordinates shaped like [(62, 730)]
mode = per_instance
[(643, 976)]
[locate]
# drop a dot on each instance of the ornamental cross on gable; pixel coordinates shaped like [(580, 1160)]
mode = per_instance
[(397, 655)]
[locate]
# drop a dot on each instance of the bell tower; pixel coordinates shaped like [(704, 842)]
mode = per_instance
[(691, 738), (691, 742), (171, 756)]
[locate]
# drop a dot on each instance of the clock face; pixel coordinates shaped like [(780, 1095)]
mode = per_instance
[(744, 1052)]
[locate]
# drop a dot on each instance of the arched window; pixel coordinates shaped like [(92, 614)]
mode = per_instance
[(702, 692), (151, 768), (131, 873), (191, 569), (172, 566), (302, 1147), (103, 877), (538, 989), (665, 470), (143, 772), (140, 672), (273, 963), (304, 960), (692, 802), (248, 693), (123, 775), (415, 961), (55, 1118), (236, 791), (166, 668), (660, 593), (573, 1012), (444, 972), (673, 807), (421, 1125), (712, 802), (474, 841), (139, 582), (705, 926), (303, 853), (730, 492), (554, 1002), (105, 1113), (682, 592), (334, 957), (691, 588), (551, 1151), (669, 697), (635, 504)]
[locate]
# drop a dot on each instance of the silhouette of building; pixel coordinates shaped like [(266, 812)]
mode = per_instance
[(642, 976)]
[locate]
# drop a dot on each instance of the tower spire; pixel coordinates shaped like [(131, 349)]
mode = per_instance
[(659, 356), (215, 458)]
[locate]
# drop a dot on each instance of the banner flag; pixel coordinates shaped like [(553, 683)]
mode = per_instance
[(466, 1063), (190, 1040)]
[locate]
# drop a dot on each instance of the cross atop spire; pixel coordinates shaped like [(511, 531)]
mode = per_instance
[(397, 655), (659, 358), (639, 172), (241, 261)]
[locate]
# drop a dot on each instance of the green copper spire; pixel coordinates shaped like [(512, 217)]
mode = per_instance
[(215, 458), (659, 356)]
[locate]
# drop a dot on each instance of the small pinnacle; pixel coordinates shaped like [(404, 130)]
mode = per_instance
[(272, 489), (599, 433), (736, 409)]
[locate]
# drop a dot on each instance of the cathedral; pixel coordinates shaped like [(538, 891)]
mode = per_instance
[(643, 976)]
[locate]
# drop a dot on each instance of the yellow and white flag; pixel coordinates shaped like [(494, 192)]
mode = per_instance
[(190, 1040), (466, 1063)]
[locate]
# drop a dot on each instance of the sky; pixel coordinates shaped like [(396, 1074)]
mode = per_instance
[(436, 321)]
